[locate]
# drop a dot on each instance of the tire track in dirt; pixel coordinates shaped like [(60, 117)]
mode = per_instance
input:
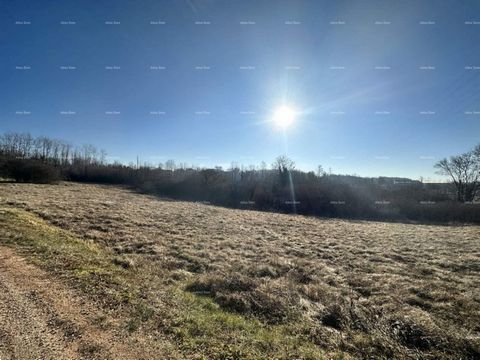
[(42, 319)]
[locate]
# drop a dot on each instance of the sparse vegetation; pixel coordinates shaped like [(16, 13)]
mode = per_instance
[(226, 283)]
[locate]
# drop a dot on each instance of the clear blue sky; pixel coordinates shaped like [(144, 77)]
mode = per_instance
[(380, 87)]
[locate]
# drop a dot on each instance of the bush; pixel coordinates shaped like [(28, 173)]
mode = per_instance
[(34, 171)]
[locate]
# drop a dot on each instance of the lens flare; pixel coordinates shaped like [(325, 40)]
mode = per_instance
[(284, 116)]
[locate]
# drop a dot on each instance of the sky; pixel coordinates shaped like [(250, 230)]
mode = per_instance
[(378, 88)]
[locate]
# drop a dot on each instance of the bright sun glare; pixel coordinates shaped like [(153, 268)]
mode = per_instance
[(284, 116)]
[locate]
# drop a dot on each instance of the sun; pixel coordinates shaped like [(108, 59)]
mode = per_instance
[(284, 116)]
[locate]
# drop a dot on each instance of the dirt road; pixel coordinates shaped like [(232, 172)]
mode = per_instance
[(40, 318)]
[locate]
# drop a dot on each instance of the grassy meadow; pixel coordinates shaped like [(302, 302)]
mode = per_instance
[(198, 281)]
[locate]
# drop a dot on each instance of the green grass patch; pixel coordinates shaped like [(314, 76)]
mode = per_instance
[(202, 324), (85, 265)]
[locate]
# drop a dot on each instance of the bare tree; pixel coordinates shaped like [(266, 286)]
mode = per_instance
[(43, 147), (8, 144), (464, 171), (284, 166), (234, 172), (170, 165), (283, 163), (26, 145), (89, 154), (320, 171), (103, 157), (65, 153)]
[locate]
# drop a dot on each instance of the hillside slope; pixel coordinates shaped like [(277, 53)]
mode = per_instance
[(242, 284)]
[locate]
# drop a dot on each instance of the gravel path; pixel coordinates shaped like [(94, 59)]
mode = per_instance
[(42, 319)]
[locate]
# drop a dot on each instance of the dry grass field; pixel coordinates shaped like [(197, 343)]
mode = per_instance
[(198, 281)]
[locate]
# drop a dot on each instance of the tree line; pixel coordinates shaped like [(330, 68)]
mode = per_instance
[(279, 187), (51, 151)]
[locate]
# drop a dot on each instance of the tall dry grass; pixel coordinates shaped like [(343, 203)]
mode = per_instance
[(364, 288)]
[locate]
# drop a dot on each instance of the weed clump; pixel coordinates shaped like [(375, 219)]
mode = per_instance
[(272, 301), (413, 335)]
